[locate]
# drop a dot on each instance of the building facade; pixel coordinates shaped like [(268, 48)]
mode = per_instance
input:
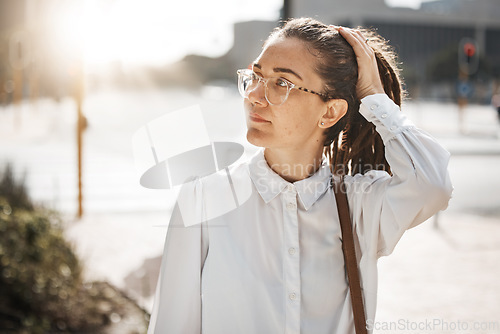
[(427, 40)]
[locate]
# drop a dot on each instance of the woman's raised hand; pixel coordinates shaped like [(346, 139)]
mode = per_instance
[(368, 75)]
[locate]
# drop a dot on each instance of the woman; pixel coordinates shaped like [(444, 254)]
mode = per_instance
[(275, 263)]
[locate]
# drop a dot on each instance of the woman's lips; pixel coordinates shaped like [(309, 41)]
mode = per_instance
[(257, 118)]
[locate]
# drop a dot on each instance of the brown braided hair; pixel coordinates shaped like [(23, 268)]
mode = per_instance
[(352, 144)]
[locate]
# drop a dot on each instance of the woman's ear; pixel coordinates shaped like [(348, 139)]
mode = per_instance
[(335, 110)]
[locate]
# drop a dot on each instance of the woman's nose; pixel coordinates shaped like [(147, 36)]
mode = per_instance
[(258, 95)]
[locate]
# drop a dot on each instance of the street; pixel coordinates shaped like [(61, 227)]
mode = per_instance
[(477, 185)]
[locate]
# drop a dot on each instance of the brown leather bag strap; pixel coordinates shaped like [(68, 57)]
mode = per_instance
[(350, 257)]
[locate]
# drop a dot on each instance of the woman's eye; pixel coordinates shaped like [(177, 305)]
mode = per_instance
[(281, 83), (256, 77)]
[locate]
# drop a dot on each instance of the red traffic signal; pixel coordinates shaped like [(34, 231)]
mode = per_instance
[(469, 49), (468, 56)]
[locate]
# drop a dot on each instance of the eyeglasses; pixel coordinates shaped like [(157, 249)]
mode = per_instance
[(276, 89)]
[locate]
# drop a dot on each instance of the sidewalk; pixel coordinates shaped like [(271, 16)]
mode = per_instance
[(449, 272), (122, 248), (480, 134), (443, 274)]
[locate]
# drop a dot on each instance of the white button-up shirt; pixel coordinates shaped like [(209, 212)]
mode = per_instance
[(269, 258)]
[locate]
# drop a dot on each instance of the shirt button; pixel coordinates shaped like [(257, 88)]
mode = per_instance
[(384, 116), (374, 106), (290, 187), (292, 296), (291, 251), (393, 128), (290, 206)]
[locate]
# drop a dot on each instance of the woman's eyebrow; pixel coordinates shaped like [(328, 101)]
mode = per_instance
[(280, 70), (286, 70)]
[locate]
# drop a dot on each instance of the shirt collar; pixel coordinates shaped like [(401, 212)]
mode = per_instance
[(269, 184)]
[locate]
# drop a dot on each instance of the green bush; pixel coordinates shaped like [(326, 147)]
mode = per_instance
[(41, 286)]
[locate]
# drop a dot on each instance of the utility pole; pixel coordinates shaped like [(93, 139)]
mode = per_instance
[(287, 9), (80, 127), (468, 63), (286, 12), (18, 57)]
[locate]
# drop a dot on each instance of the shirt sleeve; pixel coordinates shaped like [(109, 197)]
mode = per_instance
[(177, 305), (384, 206)]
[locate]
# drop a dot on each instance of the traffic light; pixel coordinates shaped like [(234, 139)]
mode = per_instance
[(468, 56)]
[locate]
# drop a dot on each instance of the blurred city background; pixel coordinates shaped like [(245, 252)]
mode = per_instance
[(79, 77)]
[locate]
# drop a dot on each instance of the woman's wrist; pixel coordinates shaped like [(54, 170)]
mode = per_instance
[(373, 91)]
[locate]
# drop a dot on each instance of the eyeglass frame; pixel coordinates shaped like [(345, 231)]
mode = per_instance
[(290, 86)]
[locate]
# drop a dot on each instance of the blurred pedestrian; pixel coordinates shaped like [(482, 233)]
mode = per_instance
[(495, 101), (320, 100)]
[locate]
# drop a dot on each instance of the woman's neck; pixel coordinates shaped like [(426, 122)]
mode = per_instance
[(294, 164)]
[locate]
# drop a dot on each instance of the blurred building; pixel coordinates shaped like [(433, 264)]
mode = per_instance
[(12, 17), (35, 58), (38, 57), (426, 39)]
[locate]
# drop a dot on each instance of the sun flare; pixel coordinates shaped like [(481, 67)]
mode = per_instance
[(150, 31)]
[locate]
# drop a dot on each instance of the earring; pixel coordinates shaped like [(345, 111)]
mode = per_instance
[(322, 123)]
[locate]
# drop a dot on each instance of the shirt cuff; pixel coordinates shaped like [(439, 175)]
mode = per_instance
[(380, 110)]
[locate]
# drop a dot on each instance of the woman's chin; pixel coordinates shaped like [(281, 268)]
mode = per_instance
[(257, 138)]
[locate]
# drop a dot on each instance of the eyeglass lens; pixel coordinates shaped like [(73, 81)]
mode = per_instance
[(276, 89)]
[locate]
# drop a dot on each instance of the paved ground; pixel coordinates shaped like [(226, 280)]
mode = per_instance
[(447, 273), (439, 277)]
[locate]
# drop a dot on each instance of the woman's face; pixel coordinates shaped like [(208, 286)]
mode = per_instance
[(296, 122)]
